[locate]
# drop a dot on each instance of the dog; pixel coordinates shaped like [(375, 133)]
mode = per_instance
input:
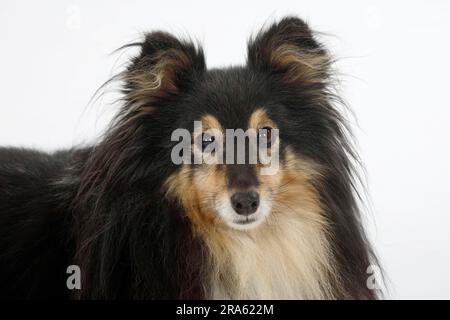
[(140, 225)]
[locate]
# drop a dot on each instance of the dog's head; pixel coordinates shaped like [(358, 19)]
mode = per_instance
[(251, 154), (244, 142)]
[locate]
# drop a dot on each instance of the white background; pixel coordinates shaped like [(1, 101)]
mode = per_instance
[(394, 56)]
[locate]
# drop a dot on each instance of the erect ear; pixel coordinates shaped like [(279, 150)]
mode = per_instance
[(288, 49), (165, 65)]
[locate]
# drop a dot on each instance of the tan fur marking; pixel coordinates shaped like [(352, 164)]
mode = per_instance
[(259, 119), (159, 79), (195, 189), (300, 65), (210, 122)]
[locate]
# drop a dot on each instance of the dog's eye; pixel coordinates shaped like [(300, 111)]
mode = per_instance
[(207, 139), (266, 134)]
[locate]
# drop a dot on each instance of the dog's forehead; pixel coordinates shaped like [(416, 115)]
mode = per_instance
[(258, 119), (231, 96)]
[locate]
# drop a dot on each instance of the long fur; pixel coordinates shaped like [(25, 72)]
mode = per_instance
[(135, 223)]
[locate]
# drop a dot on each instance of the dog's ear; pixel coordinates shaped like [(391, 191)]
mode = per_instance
[(288, 49), (165, 65)]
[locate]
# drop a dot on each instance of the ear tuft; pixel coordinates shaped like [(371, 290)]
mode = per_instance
[(289, 48), (165, 65)]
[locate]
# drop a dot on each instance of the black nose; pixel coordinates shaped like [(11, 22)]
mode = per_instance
[(245, 203)]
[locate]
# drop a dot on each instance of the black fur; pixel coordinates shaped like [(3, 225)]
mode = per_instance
[(102, 208)]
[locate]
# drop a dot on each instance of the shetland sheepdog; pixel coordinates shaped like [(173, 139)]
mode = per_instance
[(139, 225)]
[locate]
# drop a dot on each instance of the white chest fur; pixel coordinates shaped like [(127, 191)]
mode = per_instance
[(284, 259)]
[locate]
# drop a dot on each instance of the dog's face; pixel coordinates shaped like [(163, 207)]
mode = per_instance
[(276, 100), (224, 189)]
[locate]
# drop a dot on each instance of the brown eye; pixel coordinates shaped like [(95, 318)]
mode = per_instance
[(266, 134), (207, 139)]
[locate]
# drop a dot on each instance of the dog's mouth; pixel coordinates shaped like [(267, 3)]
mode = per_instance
[(245, 221)]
